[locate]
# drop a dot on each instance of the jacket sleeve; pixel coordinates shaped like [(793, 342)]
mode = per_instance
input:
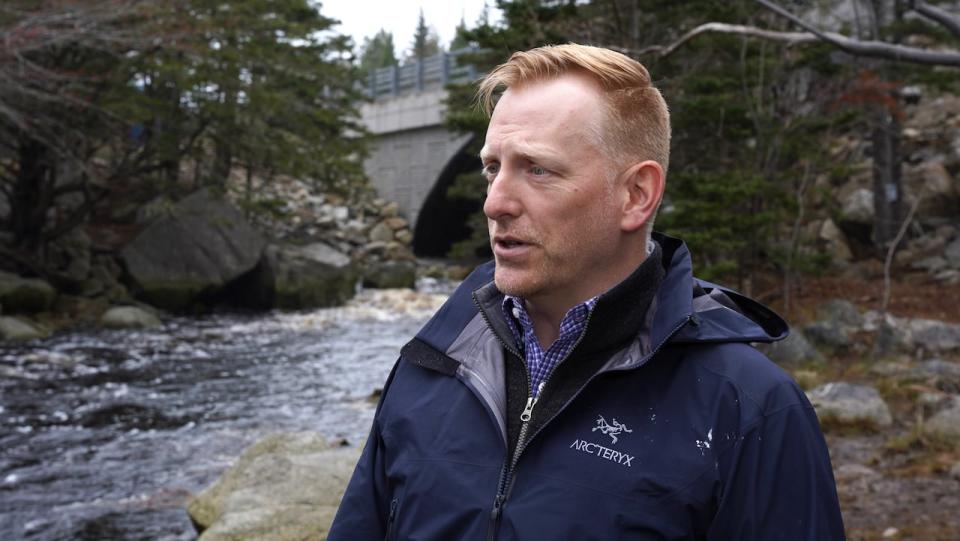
[(365, 507), (777, 481)]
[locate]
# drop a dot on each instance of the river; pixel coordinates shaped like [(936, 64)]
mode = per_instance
[(103, 434)]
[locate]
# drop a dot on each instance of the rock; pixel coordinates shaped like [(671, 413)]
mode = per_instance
[(944, 375), (850, 404), (390, 209), (12, 328), (296, 277), (26, 295), (933, 335), (955, 471), (948, 277), (952, 253), (129, 317), (285, 487), (827, 335), (840, 312), (930, 264), (68, 257), (794, 350), (858, 207), (381, 233), (389, 274), (404, 236), (946, 422), (195, 249), (396, 223), (932, 180), (837, 245)]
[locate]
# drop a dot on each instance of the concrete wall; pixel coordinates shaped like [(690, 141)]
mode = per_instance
[(411, 148), (404, 166)]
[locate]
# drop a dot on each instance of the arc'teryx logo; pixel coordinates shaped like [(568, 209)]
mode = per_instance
[(600, 451), (611, 430)]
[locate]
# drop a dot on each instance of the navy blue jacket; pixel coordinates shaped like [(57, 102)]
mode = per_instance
[(684, 432)]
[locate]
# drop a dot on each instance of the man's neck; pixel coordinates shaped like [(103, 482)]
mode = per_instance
[(547, 312)]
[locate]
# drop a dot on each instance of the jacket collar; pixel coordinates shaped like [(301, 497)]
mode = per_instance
[(620, 314)]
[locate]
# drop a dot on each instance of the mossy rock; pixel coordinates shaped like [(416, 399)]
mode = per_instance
[(25, 295)]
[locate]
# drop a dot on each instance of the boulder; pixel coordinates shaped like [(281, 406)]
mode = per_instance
[(12, 328), (933, 335), (932, 180), (794, 350), (69, 259), (129, 317), (836, 242), (952, 253), (850, 404), (389, 274), (295, 277), (840, 312), (195, 249), (858, 207), (381, 233), (285, 487), (25, 295), (827, 335), (946, 422)]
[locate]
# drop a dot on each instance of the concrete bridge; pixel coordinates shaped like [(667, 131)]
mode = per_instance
[(414, 158)]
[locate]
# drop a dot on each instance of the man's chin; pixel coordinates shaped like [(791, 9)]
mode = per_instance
[(513, 283)]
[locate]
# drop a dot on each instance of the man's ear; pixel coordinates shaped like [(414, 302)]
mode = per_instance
[(644, 185)]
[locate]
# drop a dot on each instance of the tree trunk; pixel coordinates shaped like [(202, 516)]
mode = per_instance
[(32, 193), (887, 190)]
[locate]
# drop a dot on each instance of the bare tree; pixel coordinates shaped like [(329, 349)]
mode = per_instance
[(57, 72)]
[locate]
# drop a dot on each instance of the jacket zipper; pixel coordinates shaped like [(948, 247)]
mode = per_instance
[(507, 475), (391, 521)]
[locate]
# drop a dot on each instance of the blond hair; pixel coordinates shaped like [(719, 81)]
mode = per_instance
[(638, 122)]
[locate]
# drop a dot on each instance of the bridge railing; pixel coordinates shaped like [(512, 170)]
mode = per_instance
[(430, 72)]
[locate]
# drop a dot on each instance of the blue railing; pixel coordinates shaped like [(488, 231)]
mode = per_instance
[(423, 73)]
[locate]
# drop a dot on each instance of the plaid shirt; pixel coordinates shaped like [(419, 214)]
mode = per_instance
[(540, 363)]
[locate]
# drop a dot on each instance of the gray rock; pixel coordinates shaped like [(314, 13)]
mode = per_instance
[(12, 328), (955, 471), (948, 277), (930, 264), (932, 179), (69, 259), (381, 233), (858, 207), (934, 336), (285, 487), (195, 249), (26, 295), (295, 277), (837, 245), (793, 350), (389, 274), (952, 253), (946, 421), (850, 403), (840, 312), (827, 335), (404, 236), (129, 317)]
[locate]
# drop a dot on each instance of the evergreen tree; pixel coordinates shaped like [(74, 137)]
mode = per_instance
[(425, 40), (377, 52), (460, 39)]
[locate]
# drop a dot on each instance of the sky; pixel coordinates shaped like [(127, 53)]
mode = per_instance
[(364, 18)]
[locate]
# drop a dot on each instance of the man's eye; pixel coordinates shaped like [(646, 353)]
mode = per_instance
[(537, 171), (491, 169)]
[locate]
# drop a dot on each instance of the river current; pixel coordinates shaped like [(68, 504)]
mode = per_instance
[(104, 434)]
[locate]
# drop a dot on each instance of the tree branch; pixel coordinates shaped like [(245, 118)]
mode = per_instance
[(789, 38), (947, 20), (871, 49)]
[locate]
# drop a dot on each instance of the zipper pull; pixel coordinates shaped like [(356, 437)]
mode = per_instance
[(528, 409), (497, 505)]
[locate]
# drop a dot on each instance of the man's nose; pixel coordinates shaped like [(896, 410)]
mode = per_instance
[(502, 198)]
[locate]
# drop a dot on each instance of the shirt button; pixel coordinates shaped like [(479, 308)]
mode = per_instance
[(516, 312)]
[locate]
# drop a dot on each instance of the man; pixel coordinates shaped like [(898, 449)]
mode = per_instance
[(585, 385)]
